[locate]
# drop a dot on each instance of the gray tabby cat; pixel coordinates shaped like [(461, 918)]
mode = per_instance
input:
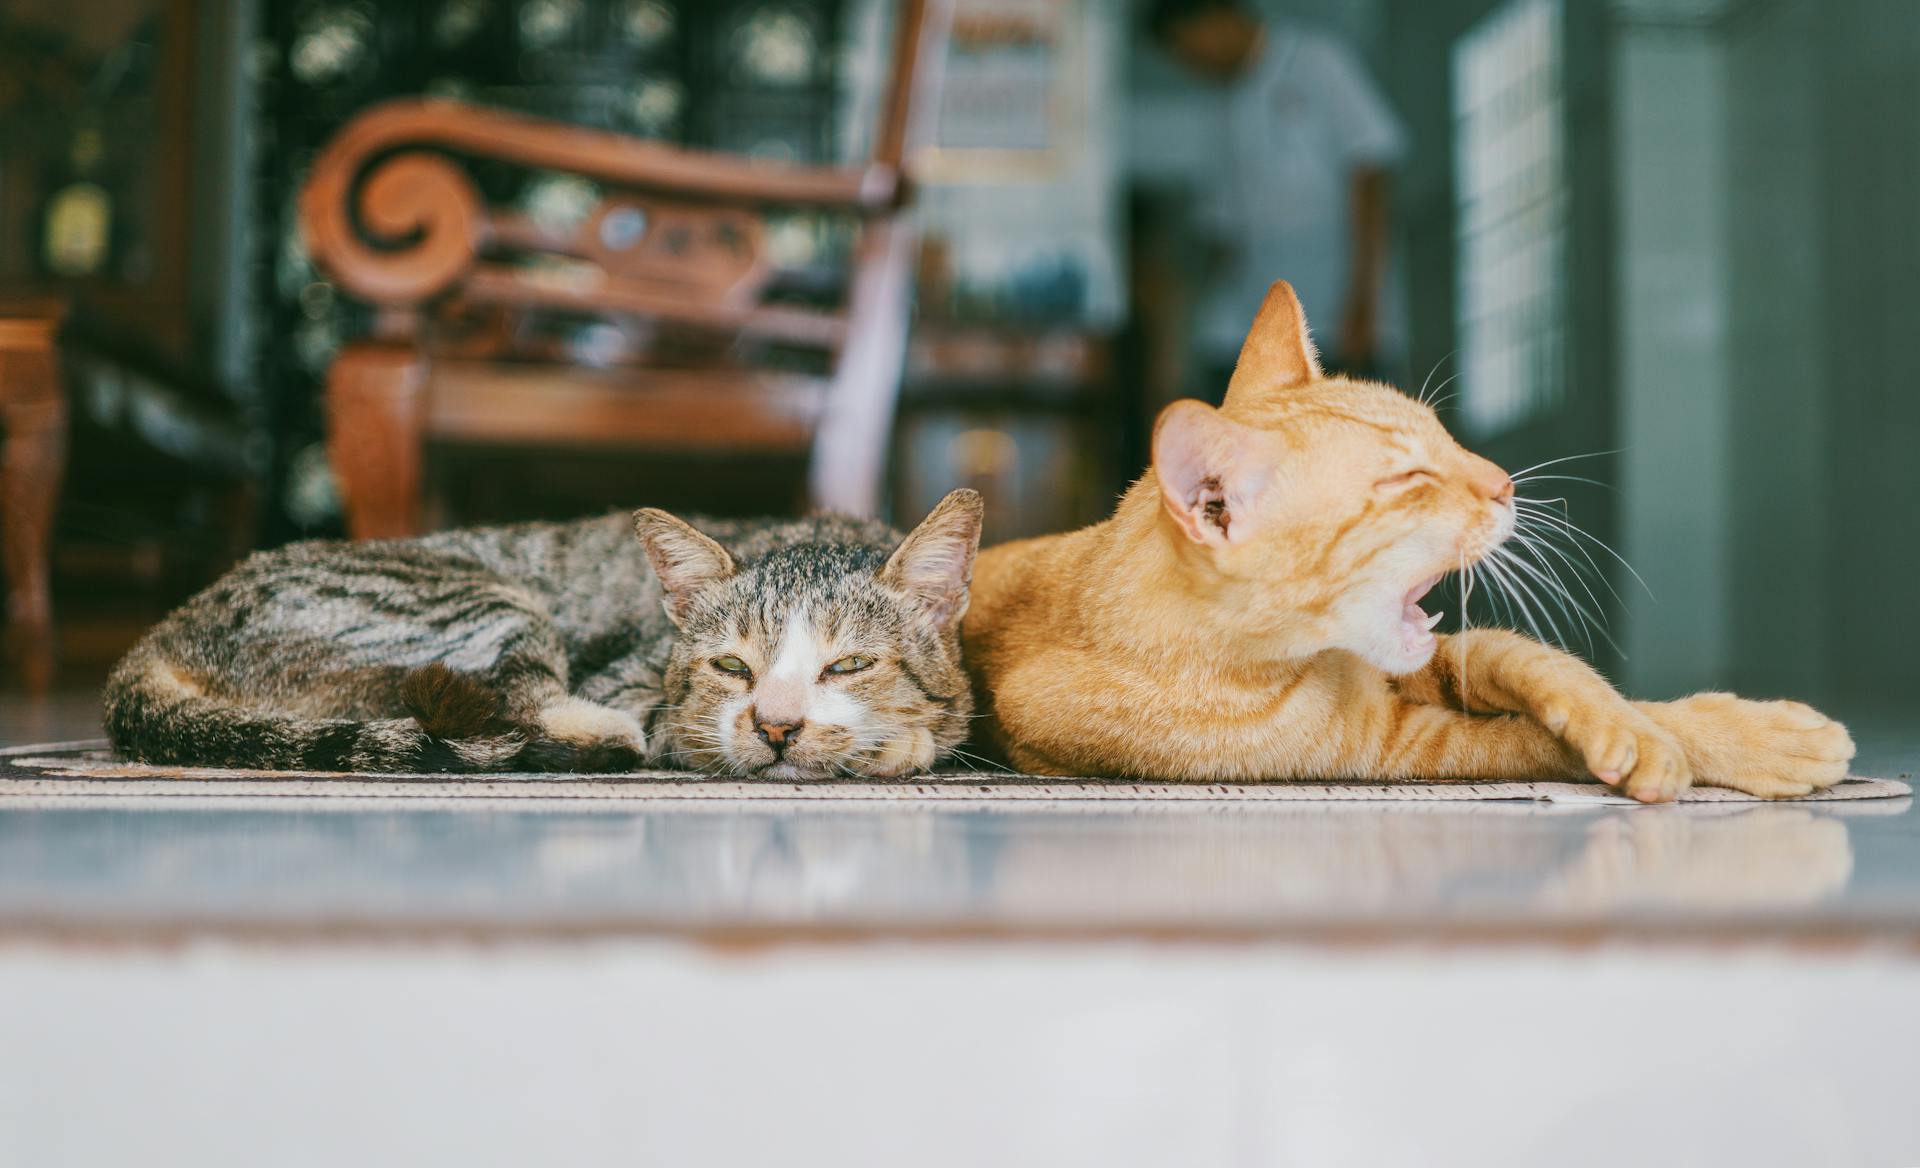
[(794, 650)]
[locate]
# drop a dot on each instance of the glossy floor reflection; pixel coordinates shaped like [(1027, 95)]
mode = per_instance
[(902, 866)]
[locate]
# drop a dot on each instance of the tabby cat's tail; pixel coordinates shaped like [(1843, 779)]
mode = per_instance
[(155, 713)]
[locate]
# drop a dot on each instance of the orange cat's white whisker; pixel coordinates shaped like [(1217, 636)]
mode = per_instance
[(1439, 401), (1562, 478), (1575, 529), (1547, 534), (1520, 578), (1555, 589), (1535, 541), (1540, 547), (1558, 461), (1504, 578), (1421, 397), (1507, 615), (1550, 538), (1591, 621), (1466, 622)]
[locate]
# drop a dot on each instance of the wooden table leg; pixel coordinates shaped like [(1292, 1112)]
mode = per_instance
[(33, 457), (375, 418)]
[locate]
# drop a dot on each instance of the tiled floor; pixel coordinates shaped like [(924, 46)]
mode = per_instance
[(1280, 870), (298, 982)]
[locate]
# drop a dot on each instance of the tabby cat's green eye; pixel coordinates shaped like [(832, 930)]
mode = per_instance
[(731, 664), (852, 664)]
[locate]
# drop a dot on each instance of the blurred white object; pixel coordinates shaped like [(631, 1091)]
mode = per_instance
[(958, 1054)]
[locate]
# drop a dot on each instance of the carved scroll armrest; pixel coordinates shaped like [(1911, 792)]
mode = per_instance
[(393, 216)]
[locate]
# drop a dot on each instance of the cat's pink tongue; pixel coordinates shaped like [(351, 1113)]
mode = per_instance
[(1416, 627)]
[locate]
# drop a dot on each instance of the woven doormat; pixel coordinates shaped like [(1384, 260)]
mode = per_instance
[(81, 769)]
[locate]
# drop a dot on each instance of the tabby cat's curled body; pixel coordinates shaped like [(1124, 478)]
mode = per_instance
[(794, 650)]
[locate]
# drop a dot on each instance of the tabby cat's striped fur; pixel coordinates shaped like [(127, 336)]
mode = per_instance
[(570, 646)]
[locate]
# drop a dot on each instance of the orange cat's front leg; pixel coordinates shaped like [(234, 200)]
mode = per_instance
[(1488, 670), (1652, 750)]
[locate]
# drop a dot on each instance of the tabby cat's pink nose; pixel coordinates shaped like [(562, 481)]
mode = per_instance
[(777, 734)]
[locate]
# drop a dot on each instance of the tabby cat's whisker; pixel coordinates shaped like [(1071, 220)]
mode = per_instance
[(977, 761)]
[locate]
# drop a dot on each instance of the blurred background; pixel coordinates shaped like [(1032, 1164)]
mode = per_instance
[(280, 269), (1669, 241)]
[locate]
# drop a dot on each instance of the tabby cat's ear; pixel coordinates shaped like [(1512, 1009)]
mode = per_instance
[(1277, 354), (685, 560), (933, 566), (1211, 469)]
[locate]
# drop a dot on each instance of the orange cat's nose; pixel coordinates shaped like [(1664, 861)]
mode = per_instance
[(1489, 481)]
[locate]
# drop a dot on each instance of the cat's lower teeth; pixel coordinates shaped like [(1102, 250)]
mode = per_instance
[(1417, 627)]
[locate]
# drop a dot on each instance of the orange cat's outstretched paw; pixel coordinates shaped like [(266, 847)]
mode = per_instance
[(1776, 750), (1623, 748)]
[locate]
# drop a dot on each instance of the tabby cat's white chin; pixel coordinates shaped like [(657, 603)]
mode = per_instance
[(788, 772)]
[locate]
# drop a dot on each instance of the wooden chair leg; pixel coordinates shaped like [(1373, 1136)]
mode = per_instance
[(375, 416), (33, 458)]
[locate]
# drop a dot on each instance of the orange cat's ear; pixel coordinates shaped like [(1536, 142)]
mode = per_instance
[(1211, 469), (1277, 354)]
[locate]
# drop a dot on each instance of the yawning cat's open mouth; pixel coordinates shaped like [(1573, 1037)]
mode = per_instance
[(1416, 627)]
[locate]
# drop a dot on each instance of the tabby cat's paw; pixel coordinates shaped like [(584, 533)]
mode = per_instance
[(1777, 750), (582, 723), (898, 757), (1623, 748)]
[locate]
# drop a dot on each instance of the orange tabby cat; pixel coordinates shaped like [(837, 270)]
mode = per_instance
[(1251, 611)]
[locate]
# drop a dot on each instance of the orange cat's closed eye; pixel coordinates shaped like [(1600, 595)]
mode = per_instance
[(1404, 479)]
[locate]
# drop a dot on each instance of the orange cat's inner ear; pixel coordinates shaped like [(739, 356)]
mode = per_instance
[(1278, 353), (1211, 471)]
